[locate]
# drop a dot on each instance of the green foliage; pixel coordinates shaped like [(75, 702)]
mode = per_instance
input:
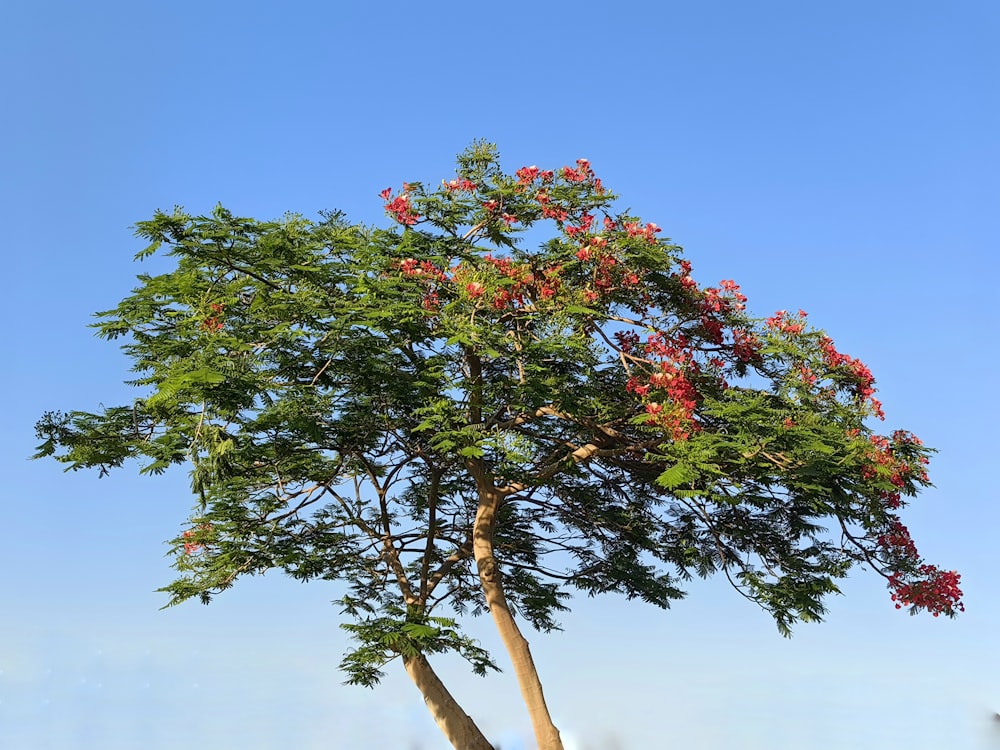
[(337, 389), (399, 633)]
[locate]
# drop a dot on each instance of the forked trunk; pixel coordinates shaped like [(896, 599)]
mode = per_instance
[(458, 727), (546, 734)]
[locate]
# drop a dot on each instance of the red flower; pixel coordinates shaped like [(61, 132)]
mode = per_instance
[(459, 184), (746, 345), (402, 211), (191, 547), (557, 213), (527, 175), (634, 229), (937, 591)]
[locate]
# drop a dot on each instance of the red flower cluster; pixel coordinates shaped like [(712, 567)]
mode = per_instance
[(781, 321), (493, 205), (715, 301), (551, 210), (543, 285), (586, 220), (886, 456), (808, 376), (732, 288), (550, 282), (422, 268), (676, 418), (582, 173), (627, 340), (213, 324), (527, 175), (673, 360), (713, 328), (431, 301), (685, 276), (192, 547), (603, 279), (712, 302), (746, 345), (430, 274), (457, 185), (508, 268), (608, 273), (898, 539), (400, 207), (865, 388), (938, 592), (649, 231)]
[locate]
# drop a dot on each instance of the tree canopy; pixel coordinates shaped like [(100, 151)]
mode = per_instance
[(514, 392)]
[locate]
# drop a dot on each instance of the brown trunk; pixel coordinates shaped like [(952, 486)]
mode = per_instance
[(546, 734), (458, 727)]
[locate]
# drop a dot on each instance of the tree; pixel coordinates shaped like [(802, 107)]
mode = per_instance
[(447, 421)]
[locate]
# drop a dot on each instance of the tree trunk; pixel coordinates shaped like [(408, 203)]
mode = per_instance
[(546, 733), (458, 727)]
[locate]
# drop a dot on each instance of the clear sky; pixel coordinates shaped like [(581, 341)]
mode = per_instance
[(841, 157)]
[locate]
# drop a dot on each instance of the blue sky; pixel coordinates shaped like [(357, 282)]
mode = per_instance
[(839, 157)]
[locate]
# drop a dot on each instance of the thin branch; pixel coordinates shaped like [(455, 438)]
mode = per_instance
[(876, 566), (432, 498), (389, 552), (473, 231), (322, 370), (462, 553)]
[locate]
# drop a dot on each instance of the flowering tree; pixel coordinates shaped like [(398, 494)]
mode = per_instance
[(447, 421)]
